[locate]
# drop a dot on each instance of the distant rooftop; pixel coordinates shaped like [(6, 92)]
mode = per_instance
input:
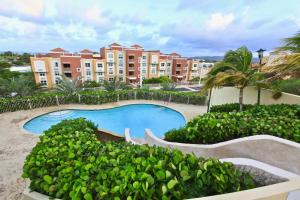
[(58, 50)]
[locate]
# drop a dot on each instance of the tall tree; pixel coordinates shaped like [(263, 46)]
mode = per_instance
[(291, 44), (17, 86), (288, 65), (235, 69)]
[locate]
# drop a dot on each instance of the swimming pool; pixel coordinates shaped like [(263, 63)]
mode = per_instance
[(137, 117)]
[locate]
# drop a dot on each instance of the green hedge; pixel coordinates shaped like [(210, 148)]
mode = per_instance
[(97, 97), (70, 163), (277, 120), (287, 110)]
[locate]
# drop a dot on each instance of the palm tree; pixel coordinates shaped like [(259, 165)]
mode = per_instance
[(235, 69), (115, 85), (288, 65), (69, 86), (291, 44)]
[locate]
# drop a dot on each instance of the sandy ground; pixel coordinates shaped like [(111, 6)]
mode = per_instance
[(16, 143), (14, 146)]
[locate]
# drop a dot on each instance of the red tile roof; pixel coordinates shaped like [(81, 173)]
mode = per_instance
[(136, 46), (174, 54), (58, 50), (115, 44), (86, 51)]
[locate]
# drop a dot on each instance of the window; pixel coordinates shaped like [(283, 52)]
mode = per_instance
[(68, 75), (100, 73), (121, 71), (169, 64), (144, 57), (100, 65), (100, 79), (78, 69), (42, 74), (55, 64), (144, 71), (43, 82), (153, 71), (111, 72), (131, 65), (57, 81), (110, 79), (66, 65), (195, 65), (144, 64), (131, 73), (121, 56), (154, 59), (56, 73), (110, 64), (88, 73), (110, 55), (162, 64), (120, 78), (178, 65), (88, 65), (177, 72), (130, 57)]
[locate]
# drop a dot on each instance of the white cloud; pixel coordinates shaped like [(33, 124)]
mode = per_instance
[(218, 21), (296, 20), (14, 27), (31, 8), (75, 31), (94, 16)]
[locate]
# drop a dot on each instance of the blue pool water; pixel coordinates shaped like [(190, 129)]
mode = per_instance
[(137, 117)]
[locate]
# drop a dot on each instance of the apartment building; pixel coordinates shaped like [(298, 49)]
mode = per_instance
[(128, 64), (198, 68)]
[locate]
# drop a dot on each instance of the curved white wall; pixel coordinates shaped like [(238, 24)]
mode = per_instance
[(272, 150)]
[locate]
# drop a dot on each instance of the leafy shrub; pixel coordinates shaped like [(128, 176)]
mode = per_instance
[(261, 110), (161, 79), (90, 84), (278, 120), (97, 97), (229, 107), (70, 163), (289, 86)]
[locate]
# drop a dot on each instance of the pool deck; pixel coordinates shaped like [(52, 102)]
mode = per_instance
[(16, 143)]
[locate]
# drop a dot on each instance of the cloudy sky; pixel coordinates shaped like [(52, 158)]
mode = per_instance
[(189, 27)]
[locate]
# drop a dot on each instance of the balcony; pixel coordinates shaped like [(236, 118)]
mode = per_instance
[(131, 69), (131, 60), (99, 70)]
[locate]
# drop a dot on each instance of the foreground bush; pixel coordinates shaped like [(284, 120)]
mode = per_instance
[(70, 163), (277, 120)]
